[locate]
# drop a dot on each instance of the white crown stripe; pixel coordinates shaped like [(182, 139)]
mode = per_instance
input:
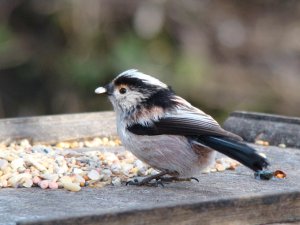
[(134, 73)]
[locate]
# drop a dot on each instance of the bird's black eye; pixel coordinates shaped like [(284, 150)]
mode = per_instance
[(123, 90)]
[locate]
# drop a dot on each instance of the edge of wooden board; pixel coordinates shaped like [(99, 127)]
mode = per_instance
[(51, 129), (258, 209)]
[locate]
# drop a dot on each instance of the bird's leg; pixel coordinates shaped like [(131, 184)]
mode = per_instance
[(147, 180), (178, 179)]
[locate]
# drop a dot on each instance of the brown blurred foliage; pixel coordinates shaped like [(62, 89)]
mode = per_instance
[(221, 55)]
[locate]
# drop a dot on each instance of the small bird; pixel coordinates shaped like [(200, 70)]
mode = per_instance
[(167, 132)]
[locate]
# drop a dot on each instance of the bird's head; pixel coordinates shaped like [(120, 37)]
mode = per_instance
[(133, 90)]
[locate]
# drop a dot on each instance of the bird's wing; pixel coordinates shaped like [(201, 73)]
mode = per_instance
[(185, 122)]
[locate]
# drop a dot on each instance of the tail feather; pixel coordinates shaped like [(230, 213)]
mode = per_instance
[(236, 150)]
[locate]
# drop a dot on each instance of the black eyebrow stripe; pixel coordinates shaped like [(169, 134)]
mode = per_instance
[(131, 81)]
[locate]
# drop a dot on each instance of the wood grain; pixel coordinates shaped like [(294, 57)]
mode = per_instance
[(231, 197), (58, 127), (249, 210), (275, 129)]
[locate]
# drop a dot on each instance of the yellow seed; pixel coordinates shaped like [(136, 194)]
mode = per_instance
[(233, 165), (27, 183), (282, 145), (3, 183), (112, 143), (266, 143), (63, 145), (17, 178), (134, 170), (7, 175), (97, 184), (218, 161), (36, 164), (71, 186), (259, 142), (6, 156), (74, 144), (105, 140), (65, 179), (220, 167)]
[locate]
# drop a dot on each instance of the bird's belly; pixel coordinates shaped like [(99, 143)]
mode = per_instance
[(166, 152)]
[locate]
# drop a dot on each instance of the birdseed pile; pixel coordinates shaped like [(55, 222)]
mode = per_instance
[(62, 165)]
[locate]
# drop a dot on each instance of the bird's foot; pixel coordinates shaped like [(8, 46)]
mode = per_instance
[(158, 180), (178, 179), (153, 181), (145, 182)]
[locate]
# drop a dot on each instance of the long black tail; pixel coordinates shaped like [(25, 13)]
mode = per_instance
[(236, 150)]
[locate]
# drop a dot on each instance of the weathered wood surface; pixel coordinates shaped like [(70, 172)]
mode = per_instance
[(272, 128), (231, 197), (58, 127)]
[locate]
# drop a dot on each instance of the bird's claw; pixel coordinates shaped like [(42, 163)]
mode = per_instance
[(195, 179), (178, 179), (132, 182), (158, 181), (145, 182)]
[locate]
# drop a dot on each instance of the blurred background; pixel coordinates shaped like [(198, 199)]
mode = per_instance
[(221, 55)]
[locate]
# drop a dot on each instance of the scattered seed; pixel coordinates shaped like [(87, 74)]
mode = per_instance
[(71, 186), (267, 175), (59, 166), (28, 183), (93, 175), (282, 145), (53, 185), (3, 163), (44, 184), (220, 167), (279, 174), (261, 142), (36, 180)]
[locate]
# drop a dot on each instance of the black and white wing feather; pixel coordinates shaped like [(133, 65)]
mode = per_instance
[(183, 122), (200, 127)]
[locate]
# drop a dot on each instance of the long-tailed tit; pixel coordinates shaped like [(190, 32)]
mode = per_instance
[(167, 132)]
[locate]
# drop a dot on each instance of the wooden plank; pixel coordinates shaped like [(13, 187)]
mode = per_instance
[(249, 210), (272, 128), (230, 197), (58, 127)]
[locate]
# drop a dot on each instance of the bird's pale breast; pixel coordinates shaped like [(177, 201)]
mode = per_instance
[(167, 152)]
